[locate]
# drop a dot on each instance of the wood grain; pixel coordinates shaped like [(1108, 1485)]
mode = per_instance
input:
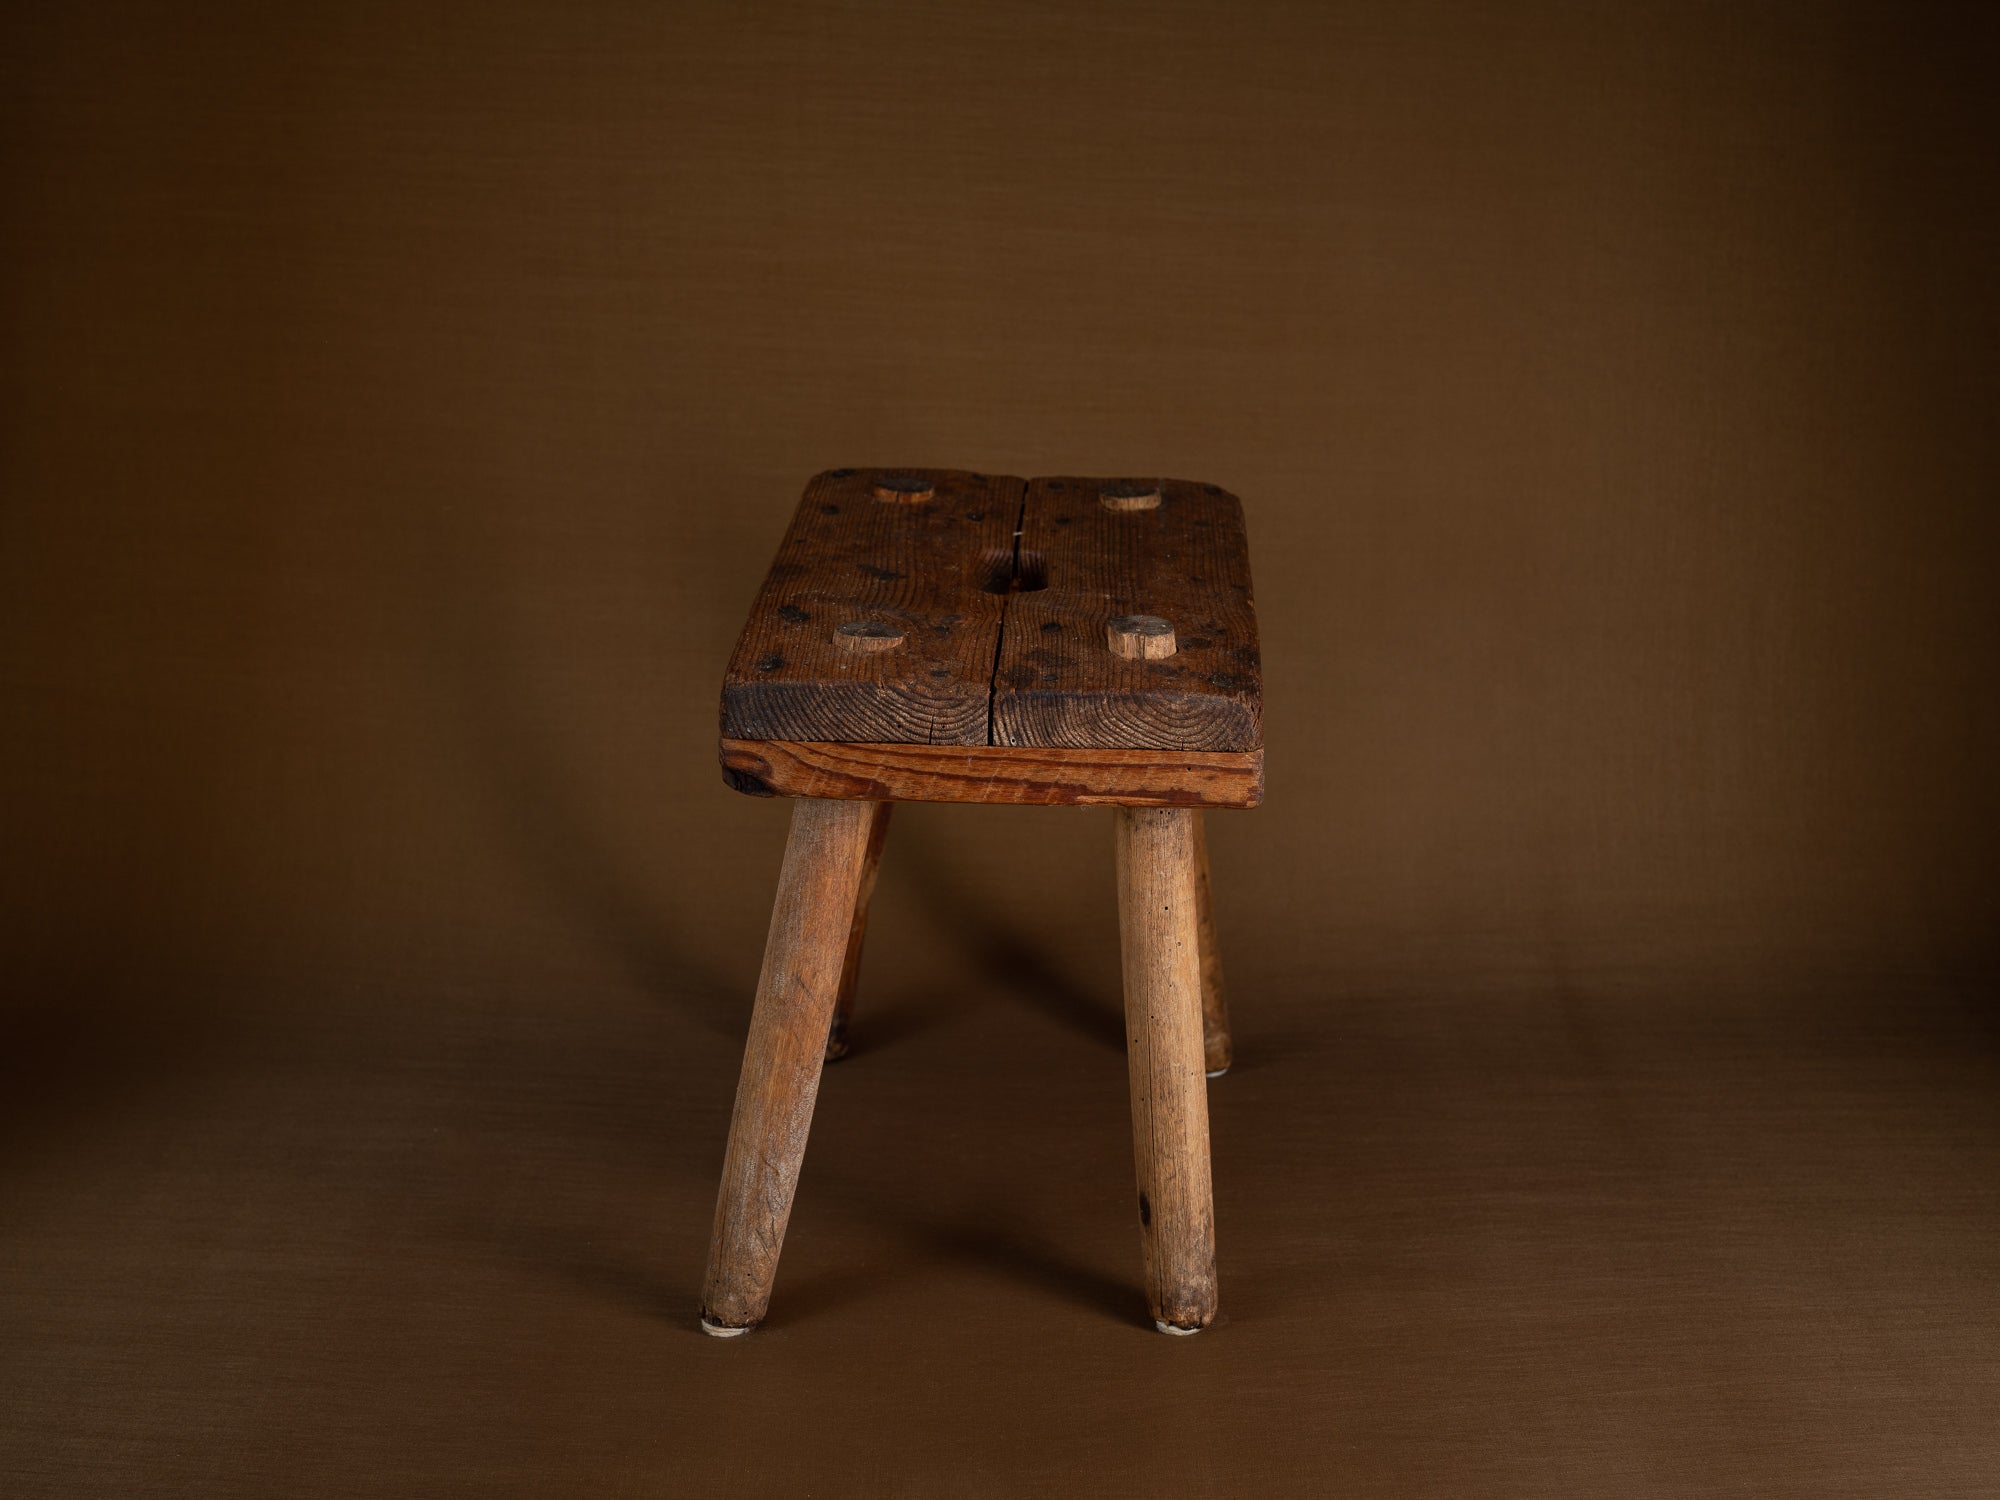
[(1160, 939), (927, 565), (1218, 1052), (857, 933), (1185, 560), (812, 922), (1044, 776)]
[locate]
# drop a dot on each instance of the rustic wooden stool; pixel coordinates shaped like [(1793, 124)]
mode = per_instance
[(934, 636)]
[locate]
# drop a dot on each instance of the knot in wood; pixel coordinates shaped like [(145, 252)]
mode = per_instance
[(904, 489), (1140, 637), (1130, 495), (867, 636)]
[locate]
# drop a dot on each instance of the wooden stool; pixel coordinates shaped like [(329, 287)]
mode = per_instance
[(935, 636)]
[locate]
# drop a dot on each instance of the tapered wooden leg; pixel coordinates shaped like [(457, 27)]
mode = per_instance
[(850, 973), (811, 920), (1217, 1053), (1159, 931)]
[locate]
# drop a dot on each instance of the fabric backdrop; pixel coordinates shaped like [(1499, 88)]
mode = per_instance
[(401, 404)]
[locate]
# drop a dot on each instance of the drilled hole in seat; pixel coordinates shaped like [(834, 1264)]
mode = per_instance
[(1003, 572)]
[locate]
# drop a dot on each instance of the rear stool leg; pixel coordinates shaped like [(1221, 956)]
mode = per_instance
[(1159, 938), (1217, 1054), (811, 920), (850, 972)]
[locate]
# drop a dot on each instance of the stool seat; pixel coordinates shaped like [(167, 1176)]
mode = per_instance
[(994, 639), (934, 635)]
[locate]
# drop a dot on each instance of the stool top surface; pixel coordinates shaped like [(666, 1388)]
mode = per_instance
[(940, 607)]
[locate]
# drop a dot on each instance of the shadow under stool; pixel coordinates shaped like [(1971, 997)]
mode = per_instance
[(930, 635)]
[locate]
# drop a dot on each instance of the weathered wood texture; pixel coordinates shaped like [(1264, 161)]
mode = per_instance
[(1043, 776), (1217, 1050), (857, 933), (936, 607), (812, 922), (1159, 930), (1185, 560), (937, 569)]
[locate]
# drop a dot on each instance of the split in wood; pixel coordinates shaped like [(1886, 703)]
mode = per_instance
[(1140, 637), (1001, 587)]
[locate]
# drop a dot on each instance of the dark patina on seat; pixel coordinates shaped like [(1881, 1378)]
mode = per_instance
[(956, 643)]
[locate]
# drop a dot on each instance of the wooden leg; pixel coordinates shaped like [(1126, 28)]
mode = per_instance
[(850, 972), (1159, 929), (1217, 1053), (803, 957)]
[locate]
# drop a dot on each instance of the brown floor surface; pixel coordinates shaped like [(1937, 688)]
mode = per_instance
[(447, 1238)]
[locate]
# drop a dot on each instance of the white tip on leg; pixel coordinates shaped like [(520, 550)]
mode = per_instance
[(1178, 1332), (1218, 1072), (721, 1330)]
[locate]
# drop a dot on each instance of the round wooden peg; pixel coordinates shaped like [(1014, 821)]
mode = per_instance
[(904, 489), (1140, 637), (1134, 494), (867, 636)]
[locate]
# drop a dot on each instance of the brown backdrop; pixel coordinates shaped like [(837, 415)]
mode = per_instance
[(400, 406)]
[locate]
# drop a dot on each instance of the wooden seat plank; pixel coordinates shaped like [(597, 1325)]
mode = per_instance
[(1109, 548), (1047, 776), (919, 583)]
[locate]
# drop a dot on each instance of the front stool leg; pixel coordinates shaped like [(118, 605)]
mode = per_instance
[(850, 970), (1217, 1053), (1160, 940), (812, 918)]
